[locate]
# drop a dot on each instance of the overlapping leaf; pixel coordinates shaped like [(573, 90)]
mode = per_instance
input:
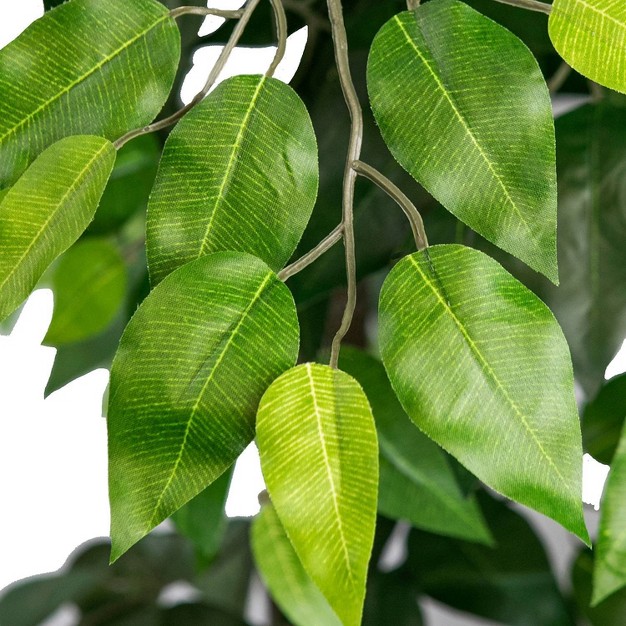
[(416, 482), (46, 211), (591, 36), (435, 79), (319, 455), (86, 67), (481, 366), (239, 172), (185, 384), (284, 575)]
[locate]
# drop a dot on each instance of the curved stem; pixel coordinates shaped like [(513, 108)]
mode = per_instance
[(340, 40), (394, 192), (215, 72), (326, 244), (281, 31), (531, 5), (229, 15)]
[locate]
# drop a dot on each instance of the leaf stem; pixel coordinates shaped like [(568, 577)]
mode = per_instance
[(323, 246), (396, 194), (190, 10), (531, 5), (559, 77), (340, 41), (411, 5), (246, 14), (281, 31)]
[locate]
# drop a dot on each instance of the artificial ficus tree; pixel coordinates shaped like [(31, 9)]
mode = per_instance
[(230, 338)]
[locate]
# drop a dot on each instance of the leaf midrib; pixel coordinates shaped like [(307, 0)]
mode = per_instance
[(604, 14), (489, 371), (80, 79)]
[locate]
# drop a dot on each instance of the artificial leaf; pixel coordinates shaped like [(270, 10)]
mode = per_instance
[(248, 158), (191, 368), (281, 570), (86, 67), (89, 285), (603, 420), (435, 79), (319, 456), (481, 366), (511, 583), (590, 303), (591, 36), (416, 482), (46, 211), (609, 573), (203, 520)]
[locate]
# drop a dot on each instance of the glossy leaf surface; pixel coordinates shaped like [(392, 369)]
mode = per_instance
[(591, 36), (590, 303), (86, 67), (239, 172), (416, 482), (481, 366), (185, 384), (89, 285), (610, 549), (435, 79), (46, 211), (319, 455), (291, 587)]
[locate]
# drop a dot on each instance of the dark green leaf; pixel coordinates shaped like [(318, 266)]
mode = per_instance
[(197, 615)]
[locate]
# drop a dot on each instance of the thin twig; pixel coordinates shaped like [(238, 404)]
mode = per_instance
[(559, 77), (326, 244), (304, 10), (340, 41), (215, 72), (531, 5), (411, 5), (394, 192), (281, 32), (229, 15), (596, 91)]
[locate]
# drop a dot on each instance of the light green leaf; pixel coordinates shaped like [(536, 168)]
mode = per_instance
[(416, 482), (591, 36), (279, 566), (239, 172), (46, 211), (191, 368), (435, 80), (89, 285), (481, 366), (609, 572), (319, 455), (87, 67)]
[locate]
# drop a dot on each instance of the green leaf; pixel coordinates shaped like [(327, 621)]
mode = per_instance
[(435, 79), (511, 583), (603, 420), (129, 186), (191, 368), (248, 158), (609, 573), (281, 570), (319, 456), (86, 67), (89, 285), (416, 482), (481, 366), (193, 614), (590, 304), (46, 211), (591, 36), (203, 520)]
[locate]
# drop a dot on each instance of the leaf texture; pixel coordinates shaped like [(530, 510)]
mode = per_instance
[(279, 566), (86, 67), (435, 79), (191, 368), (416, 482), (46, 211), (591, 36), (239, 172), (319, 456), (481, 366)]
